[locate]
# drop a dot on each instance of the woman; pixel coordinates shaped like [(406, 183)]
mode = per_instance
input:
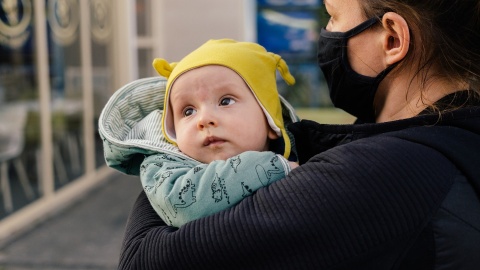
[(399, 189)]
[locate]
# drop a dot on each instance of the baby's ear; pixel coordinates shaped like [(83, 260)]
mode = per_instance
[(272, 135)]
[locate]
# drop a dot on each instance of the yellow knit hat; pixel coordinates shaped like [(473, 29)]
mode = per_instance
[(249, 60)]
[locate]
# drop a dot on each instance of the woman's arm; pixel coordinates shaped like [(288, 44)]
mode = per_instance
[(342, 208), (140, 222)]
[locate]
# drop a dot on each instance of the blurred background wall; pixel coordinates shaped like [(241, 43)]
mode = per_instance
[(61, 60)]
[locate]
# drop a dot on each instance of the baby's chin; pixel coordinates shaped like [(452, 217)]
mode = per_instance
[(207, 156), (210, 160), (216, 157)]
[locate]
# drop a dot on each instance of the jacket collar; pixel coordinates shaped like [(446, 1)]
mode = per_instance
[(312, 138)]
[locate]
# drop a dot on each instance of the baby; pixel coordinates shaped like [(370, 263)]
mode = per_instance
[(223, 112)]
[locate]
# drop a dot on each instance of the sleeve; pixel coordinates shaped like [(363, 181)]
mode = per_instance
[(359, 206), (181, 190)]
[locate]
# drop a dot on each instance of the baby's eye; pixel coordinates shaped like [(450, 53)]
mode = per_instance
[(188, 111), (227, 101)]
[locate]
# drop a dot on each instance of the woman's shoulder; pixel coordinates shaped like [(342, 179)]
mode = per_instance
[(383, 164), (379, 148)]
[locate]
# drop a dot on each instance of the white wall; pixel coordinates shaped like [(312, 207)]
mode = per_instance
[(186, 24)]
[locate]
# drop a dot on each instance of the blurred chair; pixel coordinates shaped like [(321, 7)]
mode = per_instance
[(12, 125)]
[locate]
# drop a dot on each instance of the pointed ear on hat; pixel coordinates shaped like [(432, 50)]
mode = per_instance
[(163, 67), (283, 69)]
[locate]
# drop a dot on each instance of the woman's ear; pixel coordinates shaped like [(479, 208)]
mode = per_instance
[(397, 37)]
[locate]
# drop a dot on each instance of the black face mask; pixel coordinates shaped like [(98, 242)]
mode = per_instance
[(349, 90)]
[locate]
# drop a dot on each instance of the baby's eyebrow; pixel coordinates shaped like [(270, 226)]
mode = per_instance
[(174, 98)]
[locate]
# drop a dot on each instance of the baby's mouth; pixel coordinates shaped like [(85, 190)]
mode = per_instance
[(212, 141)]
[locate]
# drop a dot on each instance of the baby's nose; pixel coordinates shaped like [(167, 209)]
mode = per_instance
[(206, 120)]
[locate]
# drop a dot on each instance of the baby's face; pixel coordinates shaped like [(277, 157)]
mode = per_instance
[(216, 116)]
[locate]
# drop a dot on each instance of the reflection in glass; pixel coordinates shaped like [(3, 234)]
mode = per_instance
[(19, 118), (101, 18), (66, 90)]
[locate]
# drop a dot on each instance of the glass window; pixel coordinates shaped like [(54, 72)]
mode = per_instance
[(66, 89), (19, 117), (143, 17), (101, 24), (290, 29)]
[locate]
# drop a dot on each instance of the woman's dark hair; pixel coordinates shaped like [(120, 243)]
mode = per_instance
[(445, 37)]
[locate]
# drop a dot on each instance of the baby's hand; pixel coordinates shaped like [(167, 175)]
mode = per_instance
[(293, 165)]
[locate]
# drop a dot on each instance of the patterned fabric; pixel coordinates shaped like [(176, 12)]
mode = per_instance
[(181, 190)]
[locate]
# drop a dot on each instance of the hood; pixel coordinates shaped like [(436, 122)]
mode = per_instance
[(130, 124), (457, 137)]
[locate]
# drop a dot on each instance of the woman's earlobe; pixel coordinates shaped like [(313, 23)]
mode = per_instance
[(397, 37)]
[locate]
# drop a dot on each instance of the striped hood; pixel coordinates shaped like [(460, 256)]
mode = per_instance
[(130, 124)]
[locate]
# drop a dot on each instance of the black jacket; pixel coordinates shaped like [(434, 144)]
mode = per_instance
[(396, 195)]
